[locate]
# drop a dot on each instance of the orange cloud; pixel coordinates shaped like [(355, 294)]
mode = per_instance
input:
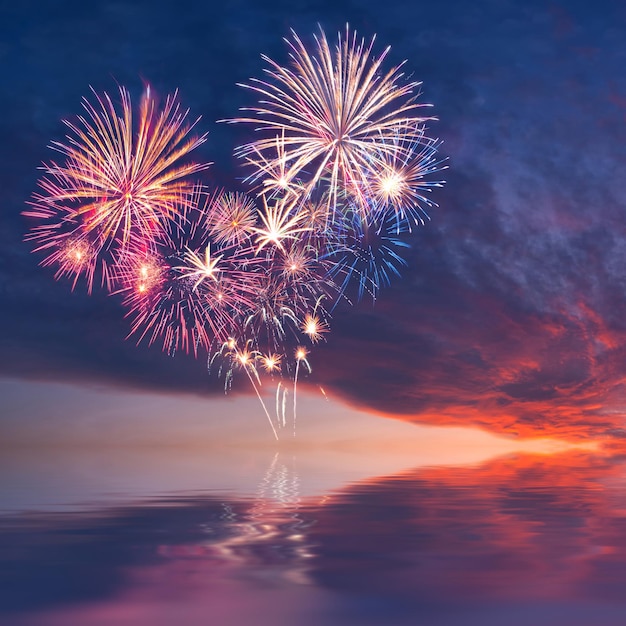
[(559, 373)]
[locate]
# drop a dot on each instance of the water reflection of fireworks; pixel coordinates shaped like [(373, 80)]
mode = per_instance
[(268, 538)]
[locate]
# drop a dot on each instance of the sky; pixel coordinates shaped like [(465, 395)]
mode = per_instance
[(510, 313)]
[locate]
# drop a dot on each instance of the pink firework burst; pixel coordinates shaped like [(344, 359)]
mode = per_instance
[(121, 180)]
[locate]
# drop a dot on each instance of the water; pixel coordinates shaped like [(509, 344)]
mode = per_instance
[(150, 538)]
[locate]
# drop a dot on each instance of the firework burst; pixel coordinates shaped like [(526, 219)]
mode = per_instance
[(333, 110), (280, 221), (399, 181), (121, 179), (232, 218), (341, 172), (73, 257), (368, 256), (313, 327), (270, 362)]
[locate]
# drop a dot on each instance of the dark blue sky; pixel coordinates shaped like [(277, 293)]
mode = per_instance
[(511, 311)]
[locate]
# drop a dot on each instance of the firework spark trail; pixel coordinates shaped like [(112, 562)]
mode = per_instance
[(341, 173), (278, 416), (281, 404), (284, 407), (301, 355), (269, 419), (246, 361)]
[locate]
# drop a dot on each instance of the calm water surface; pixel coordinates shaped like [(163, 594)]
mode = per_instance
[(517, 540)]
